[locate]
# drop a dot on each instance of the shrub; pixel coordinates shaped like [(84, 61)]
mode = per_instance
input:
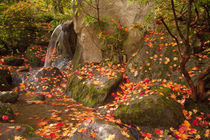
[(17, 27)]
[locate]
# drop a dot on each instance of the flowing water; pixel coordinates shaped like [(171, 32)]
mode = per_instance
[(52, 48)]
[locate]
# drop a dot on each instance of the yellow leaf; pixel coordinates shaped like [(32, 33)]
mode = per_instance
[(125, 134)]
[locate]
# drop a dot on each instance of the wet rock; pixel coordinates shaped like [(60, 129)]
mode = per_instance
[(13, 61), (153, 111), (44, 80), (8, 96), (92, 92), (15, 131), (102, 130), (6, 112), (5, 79)]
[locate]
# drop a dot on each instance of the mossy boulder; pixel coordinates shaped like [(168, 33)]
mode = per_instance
[(17, 130), (155, 111), (34, 55), (103, 130), (6, 110), (88, 92), (8, 97), (44, 80), (5, 79), (13, 61)]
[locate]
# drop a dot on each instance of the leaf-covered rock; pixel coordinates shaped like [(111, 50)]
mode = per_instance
[(158, 58), (92, 129), (154, 111), (92, 93)]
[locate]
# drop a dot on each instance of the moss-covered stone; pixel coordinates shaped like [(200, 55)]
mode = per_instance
[(6, 110), (32, 57), (151, 111), (8, 97), (91, 95), (13, 61), (5, 79)]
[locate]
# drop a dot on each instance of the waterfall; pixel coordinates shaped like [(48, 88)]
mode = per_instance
[(59, 55), (52, 48)]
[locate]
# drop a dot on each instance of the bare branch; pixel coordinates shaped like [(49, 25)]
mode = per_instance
[(176, 22), (176, 39)]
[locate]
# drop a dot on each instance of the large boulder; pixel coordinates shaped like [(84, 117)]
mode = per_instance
[(44, 80), (5, 79), (13, 61), (122, 12), (158, 58), (8, 97), (100, 130), (11, 131), (92, 92), (6, 112), (153, 111)]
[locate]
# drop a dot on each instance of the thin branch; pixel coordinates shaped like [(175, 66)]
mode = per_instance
[(176, 39), (176, 22)]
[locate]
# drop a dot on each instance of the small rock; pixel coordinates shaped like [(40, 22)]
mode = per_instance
[(8, 97)]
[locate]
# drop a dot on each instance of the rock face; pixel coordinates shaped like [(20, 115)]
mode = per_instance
[(102, 130), (69, 40), (5, 79), (123, 12), (13, 61), (8, 97), (6, 112), (44, 79), (15, 131), (154, 111), (92, 93)]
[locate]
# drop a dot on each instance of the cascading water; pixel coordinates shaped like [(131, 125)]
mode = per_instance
[(51, 51), (61, 47)]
